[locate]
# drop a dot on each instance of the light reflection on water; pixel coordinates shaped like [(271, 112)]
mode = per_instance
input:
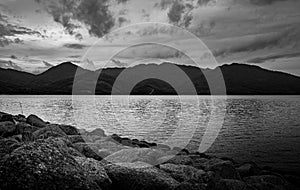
[(264, 129)]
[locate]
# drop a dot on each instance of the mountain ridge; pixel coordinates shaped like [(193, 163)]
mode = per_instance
[(240, 79)]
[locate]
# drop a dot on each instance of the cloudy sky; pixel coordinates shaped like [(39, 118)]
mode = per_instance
[(38, 34)]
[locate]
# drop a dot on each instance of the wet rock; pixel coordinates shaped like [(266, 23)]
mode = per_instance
[(266, 182), (69, 130), (6, 117), (98, 132), (184, 173), (7, 145), (248, 169), (42, 165), (36, 121), (128, 176), (128, 142), (223, 168), (116, 138), (89, 150), (176, 159), (95, 171), (231, 184), (49, 131), (130, 155), (19, 118), (7, 128), (76, 138)]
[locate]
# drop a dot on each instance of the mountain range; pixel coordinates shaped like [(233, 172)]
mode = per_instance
[(240, 79)]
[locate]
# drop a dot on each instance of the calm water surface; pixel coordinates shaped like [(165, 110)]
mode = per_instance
[(265, 129)]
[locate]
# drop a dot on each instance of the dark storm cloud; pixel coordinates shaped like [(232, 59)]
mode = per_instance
[(271, 40), (273, 57), (175, 12), (163, 4), (94, 14), (8, 32), (75, 46)]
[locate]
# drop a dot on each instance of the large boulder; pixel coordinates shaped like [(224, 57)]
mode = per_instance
[(69, 130), (49, 131), (146, 155), (138, 175), (7, 128), (248, 169), (35, 121), (184, 173), (98, 132), (222, 168), (95, 171), (42, 165), (6, 117), (19, 118)]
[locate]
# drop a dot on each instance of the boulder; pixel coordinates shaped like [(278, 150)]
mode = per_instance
[(7, 128), (69, 130), (176, 159), (76, 138), (248, 169), (139, 175), (184, 173), (35, 121), (95, 171), (51, 130), (130, 155), (19, 118), (98, 132), (7, 145), (89, 150), (6, 117), (231, 184), (222, 168), (43, 165), (22, 127)]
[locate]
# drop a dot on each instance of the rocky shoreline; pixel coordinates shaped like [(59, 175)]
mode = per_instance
[(39, 155)]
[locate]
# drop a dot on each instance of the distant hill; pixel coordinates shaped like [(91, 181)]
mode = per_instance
[(240, 79)]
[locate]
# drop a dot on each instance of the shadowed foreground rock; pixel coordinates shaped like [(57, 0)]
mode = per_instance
[(42, 165)]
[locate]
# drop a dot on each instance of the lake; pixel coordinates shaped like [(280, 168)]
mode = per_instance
[(264, 129)]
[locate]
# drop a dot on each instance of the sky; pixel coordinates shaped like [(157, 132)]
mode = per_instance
[(38, 34)]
